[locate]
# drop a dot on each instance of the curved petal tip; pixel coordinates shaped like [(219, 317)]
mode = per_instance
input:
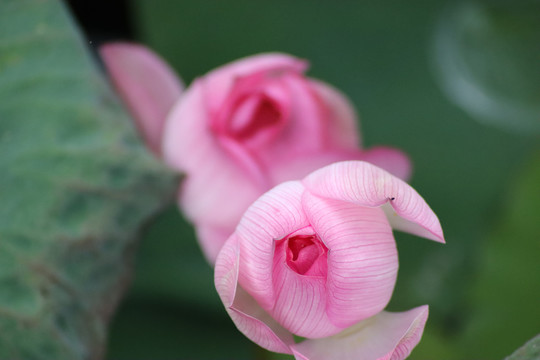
[(147, 85), (247, 315), (385, 336), (364, 184)]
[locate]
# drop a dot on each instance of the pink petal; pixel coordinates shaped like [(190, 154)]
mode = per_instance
[(190, 145), (362, 257), (342, 124), (367, 185), (147, 85), (217, 194), (395, 161), (211, 239), (385, 336), (187, 139), (300, 300), (246, 314), (273, 216), (244, 98), (255, 114), (219, 82), (297, 118), (305, 131), (215, 180)]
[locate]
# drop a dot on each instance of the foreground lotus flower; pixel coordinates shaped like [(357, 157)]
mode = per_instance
[(316, 258), (239, 130)]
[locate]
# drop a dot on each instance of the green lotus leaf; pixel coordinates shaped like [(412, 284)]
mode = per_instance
[(76, 184)]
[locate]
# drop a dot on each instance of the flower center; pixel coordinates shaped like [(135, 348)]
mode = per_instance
[(306, 255), (253, 116)]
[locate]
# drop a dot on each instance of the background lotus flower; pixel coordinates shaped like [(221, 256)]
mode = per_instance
[(317, 259), (239, 130)]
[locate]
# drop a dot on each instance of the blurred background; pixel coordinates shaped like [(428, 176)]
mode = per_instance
[(456, 85)]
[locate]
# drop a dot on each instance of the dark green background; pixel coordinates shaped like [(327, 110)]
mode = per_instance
[(482, 181)]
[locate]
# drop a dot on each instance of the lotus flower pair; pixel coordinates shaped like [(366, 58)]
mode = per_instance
[(295, 215)]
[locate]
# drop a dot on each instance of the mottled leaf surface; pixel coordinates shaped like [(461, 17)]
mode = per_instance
[(529, 351), (75, 186)]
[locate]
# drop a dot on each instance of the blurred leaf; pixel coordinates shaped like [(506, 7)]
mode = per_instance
[(502, 311), (507, 288), (170, 266), (173, 293), (157, 329), (529, 351), (487, 58), (76, 185)]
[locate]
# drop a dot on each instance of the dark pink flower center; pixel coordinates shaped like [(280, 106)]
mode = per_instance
[(306, 255), (254, 116)]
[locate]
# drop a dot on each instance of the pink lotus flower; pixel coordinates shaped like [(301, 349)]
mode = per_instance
[(239, 130), (316, 258)]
